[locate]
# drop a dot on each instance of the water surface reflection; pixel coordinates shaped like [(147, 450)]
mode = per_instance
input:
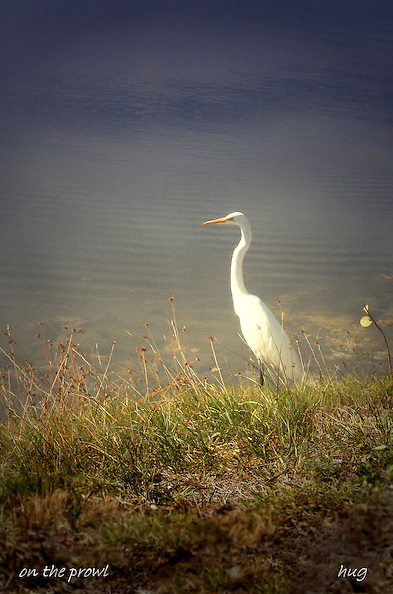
[(115, 152)]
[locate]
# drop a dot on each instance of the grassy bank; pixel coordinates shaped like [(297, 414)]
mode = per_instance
[(167, 482)]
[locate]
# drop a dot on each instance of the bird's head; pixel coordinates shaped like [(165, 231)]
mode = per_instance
[(234, 218)]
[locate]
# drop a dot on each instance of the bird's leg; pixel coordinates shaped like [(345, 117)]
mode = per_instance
[(261, 376)]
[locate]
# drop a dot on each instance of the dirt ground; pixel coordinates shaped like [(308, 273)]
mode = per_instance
[(302, 558)]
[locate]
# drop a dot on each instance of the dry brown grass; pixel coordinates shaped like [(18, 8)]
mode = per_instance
[(182, 484)]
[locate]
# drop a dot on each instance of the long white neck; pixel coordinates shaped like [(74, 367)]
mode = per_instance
[(237, 282)]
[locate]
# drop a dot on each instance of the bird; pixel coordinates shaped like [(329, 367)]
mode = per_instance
[(263, 333)]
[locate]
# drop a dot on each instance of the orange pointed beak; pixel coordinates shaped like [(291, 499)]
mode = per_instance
[(214, 221)]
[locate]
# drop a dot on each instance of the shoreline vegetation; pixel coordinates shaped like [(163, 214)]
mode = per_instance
[(158, 481)]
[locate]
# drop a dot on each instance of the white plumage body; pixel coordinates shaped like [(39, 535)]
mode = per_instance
[(263, 333), (266, 336)]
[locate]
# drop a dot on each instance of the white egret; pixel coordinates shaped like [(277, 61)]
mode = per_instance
[(262, 332)]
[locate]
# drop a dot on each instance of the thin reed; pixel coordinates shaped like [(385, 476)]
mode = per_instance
[(138, 459)]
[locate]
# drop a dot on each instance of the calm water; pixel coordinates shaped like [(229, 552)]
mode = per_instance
[(119, 143)]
